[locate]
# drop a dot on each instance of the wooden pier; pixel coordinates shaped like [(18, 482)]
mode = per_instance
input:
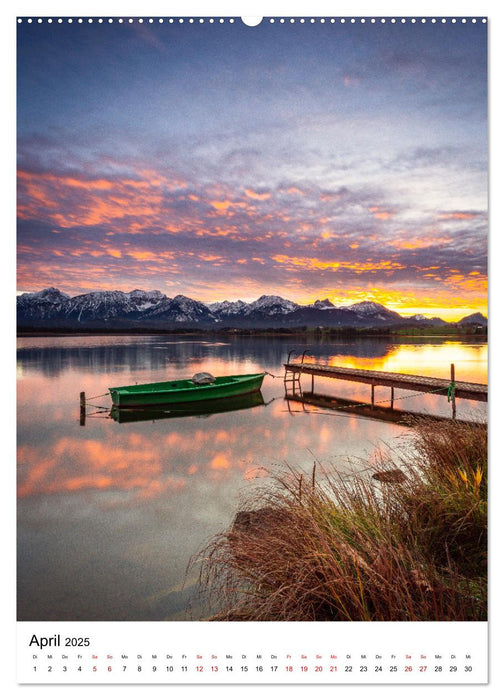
[(412, 382)]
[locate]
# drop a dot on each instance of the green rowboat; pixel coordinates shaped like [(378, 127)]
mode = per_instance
[(193, 409), (202, 387)]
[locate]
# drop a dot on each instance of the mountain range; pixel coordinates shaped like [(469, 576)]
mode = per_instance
[(51, 308)]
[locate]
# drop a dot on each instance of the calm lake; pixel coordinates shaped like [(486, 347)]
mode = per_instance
[(110, 513)]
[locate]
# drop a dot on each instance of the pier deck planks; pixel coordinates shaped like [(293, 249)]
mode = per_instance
[(463, 390)]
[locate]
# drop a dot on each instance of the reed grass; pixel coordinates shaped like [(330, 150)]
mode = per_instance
[(336, 548)]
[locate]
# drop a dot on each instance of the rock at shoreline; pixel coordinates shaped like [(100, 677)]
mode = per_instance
[(252, 520), (391, 476)]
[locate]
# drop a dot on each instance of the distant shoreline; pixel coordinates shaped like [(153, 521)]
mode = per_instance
[(321, 332)]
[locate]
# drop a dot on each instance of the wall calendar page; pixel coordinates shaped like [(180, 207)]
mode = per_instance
[(252, 348)]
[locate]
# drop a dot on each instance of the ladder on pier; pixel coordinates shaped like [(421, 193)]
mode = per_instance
[(292, 377)]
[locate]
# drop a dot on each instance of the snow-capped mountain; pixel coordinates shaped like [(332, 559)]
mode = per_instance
[(180, 309), (43, 305), (267, 305), (421, 320), (104, 306), (140, 309), (145, 300), (366, 309), (271, 305), (228, 308)]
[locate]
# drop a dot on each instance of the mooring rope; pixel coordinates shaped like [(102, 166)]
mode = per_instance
[(450, 397)]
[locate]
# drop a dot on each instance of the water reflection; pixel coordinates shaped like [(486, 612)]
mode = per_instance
[(114, 354), (110, 512), (426, 359), (303, 402), (200, 408)]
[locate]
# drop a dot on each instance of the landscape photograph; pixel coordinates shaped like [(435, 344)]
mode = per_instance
[(252, 319)]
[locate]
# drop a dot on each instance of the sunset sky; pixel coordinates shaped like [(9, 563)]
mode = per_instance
[(220, 161)]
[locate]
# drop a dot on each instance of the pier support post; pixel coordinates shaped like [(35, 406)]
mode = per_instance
[(452, 379), (391, 397), (312, 383), (372, 395), (82, 401)]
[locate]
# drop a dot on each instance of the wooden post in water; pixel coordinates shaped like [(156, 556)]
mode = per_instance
[(312, 383), (391, 397), (82, 408), (372, 395), (452, 379)]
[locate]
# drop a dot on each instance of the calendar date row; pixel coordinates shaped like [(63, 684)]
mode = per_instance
[(276, 668)]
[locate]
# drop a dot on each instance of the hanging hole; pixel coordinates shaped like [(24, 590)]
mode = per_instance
[(251, 21)]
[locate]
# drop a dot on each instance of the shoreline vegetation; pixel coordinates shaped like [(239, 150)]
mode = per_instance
[(405, 539), (320, 332)]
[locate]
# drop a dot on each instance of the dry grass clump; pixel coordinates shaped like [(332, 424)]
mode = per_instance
[(361, 549)]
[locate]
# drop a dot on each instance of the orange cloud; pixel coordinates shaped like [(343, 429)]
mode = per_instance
[(358, 267), (226, 205), (207, 257), (380, 213), (146, 255), (154, 179), (330, 196), (474, 282), (294, 190), (257, 195), (89, 185), (114, 253), (458, 215), (89, 202), (413, 243), (221, 206)]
